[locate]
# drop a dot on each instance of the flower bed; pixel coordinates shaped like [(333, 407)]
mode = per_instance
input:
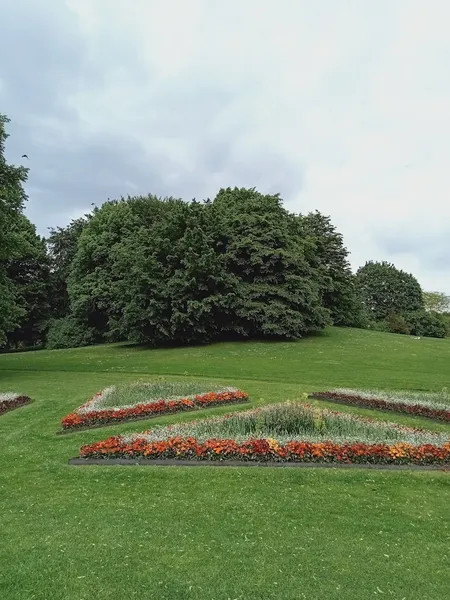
[(290, 432), (11, 400), (263, 450), (432, 406), (92, 414)]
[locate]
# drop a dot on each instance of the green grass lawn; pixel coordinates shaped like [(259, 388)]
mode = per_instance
[(201, 533)]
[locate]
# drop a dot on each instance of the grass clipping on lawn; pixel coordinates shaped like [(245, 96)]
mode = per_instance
[(140, 400), (290, 431)]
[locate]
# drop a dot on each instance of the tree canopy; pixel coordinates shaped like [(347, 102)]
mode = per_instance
[(436, 301), (12, 199), (387, 290), (329, 256), (165, 271), (29, 272)]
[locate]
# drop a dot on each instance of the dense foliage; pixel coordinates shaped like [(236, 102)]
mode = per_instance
[(436, 302), (12, 199), (165, 271), (427, 324), (337, 284), (62, 246), (30, 273), (387, 290)]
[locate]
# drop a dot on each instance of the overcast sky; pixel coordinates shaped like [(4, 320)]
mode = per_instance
[(340, 105)]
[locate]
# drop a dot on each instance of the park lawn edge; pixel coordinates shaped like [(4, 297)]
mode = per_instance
[(173, 462)]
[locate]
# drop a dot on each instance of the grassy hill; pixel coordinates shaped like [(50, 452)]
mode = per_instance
[(204, 533)]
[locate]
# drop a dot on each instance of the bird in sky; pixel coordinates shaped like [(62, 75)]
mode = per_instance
[(25, 156)]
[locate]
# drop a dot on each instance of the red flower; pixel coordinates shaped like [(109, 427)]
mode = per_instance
[(268, 449)]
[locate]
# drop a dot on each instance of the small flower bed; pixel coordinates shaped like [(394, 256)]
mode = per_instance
[(94, 413), (433, 406), (11, 400), (289, 432)]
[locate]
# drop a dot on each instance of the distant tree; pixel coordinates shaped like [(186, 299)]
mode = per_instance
[(329, 257), (62, 246), (426, 324), (99, 266), (67, 332), (30, 274), (12, 199), (396, 324), (385, 289), (436, 302)]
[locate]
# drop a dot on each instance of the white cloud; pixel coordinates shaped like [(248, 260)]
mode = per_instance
[(353, 94)]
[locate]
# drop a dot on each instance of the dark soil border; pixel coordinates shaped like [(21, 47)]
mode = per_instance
[(173, 462), (17, 403), (147, 417), (318, 396)]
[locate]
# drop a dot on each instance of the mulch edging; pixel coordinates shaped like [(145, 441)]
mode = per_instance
[(173, 462), (145, 417), (16, 403), (361, 404)]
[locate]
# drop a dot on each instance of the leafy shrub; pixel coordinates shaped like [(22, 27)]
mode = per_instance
[(445, 317), (69, 333), (426, 324), (397, 324)]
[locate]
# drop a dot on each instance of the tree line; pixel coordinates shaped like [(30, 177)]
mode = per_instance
[(165, 271)]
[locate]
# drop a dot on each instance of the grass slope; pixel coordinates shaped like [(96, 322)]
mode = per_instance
[(171, 533)]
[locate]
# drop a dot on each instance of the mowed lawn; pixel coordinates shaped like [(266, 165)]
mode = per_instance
[(204, 533)]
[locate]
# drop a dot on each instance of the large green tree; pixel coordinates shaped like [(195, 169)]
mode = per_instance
[(146, 269), (30, 274), (177, 285), (99, 267), (329, 258), (62, 246), (12, 199), (166, 271), (278, 292), (387, 290)]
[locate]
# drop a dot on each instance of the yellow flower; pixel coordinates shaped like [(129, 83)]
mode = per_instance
[(400, 450), (273, 444)]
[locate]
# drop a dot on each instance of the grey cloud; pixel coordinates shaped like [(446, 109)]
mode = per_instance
[(432, 249), (270, 172), (45, 58), (49, 60)]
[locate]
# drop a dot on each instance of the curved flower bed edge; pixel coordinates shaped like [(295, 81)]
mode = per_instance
[(418, 410), (152, 409), (7, 405)]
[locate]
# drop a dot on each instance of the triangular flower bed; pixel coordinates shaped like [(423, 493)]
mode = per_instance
[(427, 404), (11, 400), (146, 400), (291, 433)]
